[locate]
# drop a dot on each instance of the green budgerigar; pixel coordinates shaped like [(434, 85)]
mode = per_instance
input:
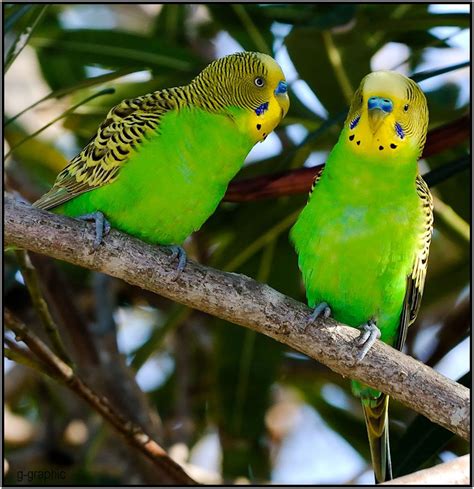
[(363, 238), (159, 164)]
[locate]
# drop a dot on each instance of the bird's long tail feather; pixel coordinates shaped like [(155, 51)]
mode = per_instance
[(376, 420)]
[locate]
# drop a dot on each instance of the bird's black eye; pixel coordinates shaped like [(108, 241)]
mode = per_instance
[(259, 81), (405, 108)]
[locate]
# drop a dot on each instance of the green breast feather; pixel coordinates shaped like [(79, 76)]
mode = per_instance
[(175, 180), (356, 244)]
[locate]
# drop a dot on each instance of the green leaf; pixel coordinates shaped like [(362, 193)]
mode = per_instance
[(63, 115), (175, 318), (316, 62), (417, 40), (316, 15), (39, 158), (88, 82), (34, 17), (330, 16), (246, 24), (117, 49), (351, 428), (427, 21), (170, 23), (14, 13), (425, 75)]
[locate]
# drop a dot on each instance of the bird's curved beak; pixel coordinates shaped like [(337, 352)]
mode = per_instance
[(379, 108), (281, 93)]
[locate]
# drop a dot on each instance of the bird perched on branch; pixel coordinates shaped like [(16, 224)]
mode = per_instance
[(363, 238), (160, 163)]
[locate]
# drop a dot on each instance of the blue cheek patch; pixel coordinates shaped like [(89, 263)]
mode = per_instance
[(354, 122), (261, 108), (399, 130)]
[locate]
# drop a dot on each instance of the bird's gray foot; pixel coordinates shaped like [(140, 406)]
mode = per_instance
[(368, 334), (179, 253), (321, 310), (102, 226)]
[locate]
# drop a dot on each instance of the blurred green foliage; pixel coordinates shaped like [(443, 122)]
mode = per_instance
[(231, 373)]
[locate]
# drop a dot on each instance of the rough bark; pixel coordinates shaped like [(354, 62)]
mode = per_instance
[(241, 300), (454, 472)]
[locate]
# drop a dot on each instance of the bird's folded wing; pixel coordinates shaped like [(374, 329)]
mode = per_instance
[(126, 126), (416, 280)]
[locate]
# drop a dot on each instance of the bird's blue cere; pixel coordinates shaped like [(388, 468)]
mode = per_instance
[(384, 104), (281, 88)]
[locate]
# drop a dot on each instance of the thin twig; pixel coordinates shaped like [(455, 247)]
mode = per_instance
[(32, 283), (133, 434), (15, 353), (245, 302), (99, 363)]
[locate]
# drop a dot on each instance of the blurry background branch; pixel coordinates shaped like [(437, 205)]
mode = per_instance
[(243, 301), (168, 472)]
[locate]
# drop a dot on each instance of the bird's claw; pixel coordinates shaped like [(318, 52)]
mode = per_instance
[(179, 253), (107, 227), (102, 226), (368, 335), (321, 310)]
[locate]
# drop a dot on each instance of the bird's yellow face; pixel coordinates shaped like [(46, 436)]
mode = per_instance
[(388, 116), (269, 85), (250, 81)]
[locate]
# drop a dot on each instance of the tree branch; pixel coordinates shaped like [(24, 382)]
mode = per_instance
[(299, 181), (99, 363), (454, 472), (132, 433), (242, 301)]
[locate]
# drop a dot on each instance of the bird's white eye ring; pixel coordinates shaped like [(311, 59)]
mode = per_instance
[(259, 81)]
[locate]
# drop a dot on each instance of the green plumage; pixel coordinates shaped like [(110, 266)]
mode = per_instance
[(174, 183), (363, 238), (160, 163), (356, 239)]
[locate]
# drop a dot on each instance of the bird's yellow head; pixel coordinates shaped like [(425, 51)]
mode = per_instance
[(251, 81), (388, 115)]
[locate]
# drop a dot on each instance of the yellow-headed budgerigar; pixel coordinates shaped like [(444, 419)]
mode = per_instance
[(363, 238), (160, 163)]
